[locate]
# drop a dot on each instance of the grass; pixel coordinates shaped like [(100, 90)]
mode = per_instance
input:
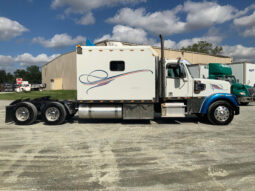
[(54, 94)]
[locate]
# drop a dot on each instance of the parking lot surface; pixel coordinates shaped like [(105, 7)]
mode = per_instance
[(107, 155)]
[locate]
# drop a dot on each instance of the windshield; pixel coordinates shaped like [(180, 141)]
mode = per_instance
[(232, 79), (189, 71)]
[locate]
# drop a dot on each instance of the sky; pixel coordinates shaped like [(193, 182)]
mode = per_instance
[(33, 32)]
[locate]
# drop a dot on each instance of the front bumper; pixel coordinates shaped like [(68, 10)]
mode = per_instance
[(245, 99)]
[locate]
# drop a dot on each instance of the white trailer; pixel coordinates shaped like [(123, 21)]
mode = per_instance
[(130, 83), (199, 70), (244, 72)]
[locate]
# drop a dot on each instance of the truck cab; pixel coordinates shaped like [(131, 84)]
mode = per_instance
[(184, 91), (180, 82), (244, 93)]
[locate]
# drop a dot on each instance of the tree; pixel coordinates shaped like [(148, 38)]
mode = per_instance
[(33, 74), (21, 74), (204, 47), (2, 76), (10, 78)]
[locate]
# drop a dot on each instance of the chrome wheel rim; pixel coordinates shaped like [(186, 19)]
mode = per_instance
[(22, 114), (221, 113), (52, 114)]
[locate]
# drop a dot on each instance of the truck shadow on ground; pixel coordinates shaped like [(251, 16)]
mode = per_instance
[(136, 122), (177, 120)]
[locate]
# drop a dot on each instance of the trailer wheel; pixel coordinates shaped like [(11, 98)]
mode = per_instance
[(54, 113), (25, 113), (220, 113)]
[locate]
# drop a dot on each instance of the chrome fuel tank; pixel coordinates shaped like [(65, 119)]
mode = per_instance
[(100, 111)]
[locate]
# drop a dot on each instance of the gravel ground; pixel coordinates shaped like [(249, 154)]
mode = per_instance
[(107, 155)]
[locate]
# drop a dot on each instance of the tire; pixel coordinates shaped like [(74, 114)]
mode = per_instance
[(244, 103), (54, 113), (25, 113), (217, 118)]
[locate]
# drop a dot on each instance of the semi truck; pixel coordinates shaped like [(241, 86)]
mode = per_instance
[(199, 70), (23, 87), (131, 83), (244, 72), (244, 93)]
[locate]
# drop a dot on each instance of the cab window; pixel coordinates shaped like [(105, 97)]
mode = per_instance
[(175, 71)]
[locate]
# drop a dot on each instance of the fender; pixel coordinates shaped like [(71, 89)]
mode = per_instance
[(218, 96)]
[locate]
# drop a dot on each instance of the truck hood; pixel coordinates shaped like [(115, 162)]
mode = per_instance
[(214, 86), (240, 86), (242, 90)]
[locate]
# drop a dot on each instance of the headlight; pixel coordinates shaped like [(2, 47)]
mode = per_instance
[(242, 93)]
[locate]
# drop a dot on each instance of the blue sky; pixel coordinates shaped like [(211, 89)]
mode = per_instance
[(32, 32)]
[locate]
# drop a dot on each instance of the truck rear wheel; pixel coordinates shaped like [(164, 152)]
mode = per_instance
[(54, 113), (25, 113), (220, 113)]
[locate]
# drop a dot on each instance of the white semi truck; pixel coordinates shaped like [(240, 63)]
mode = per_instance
[(131, 83), (244, 72), (199, 70)]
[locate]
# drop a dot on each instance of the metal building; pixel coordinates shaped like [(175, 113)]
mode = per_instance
[(60, 73)]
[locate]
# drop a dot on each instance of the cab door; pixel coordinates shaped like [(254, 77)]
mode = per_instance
[(178, 82)]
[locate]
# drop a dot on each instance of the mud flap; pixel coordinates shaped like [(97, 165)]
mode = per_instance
[(9, 113)]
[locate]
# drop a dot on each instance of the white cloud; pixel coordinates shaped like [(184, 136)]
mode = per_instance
[(213, 36), (240, 52), (85, 7), (197, 15), (81, 6), (164, 22), (6, 63), (87, 19), (204, 14), (5, 60), (248, 22), (186, 42), (27, 59), (127, 34), (249, 32), (59, 41), (211, 39), (168, 44), (10, 29)]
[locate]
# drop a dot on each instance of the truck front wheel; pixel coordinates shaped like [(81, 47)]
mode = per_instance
[(54, 113), (220, 113)]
